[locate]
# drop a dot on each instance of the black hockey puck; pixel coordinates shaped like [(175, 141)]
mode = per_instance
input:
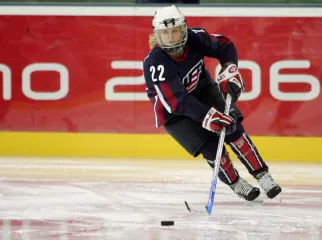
[(167, 223)]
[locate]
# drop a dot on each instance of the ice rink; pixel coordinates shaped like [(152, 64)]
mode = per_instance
[(127, 198)]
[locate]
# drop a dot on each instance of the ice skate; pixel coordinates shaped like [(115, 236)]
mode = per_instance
[(267, 183), (244, 190)]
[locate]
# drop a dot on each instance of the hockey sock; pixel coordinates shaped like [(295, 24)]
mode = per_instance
[(248, 154), (227, 173)]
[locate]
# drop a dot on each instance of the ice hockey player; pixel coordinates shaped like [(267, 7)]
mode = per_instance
[(190, 104)]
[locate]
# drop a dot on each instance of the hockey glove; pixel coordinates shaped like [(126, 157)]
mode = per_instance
[(214, 121), (231, 81)]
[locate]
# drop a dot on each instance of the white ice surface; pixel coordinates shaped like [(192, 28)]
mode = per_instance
[(126, 199)]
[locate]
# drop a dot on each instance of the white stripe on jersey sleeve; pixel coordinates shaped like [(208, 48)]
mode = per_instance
[(155, 110)]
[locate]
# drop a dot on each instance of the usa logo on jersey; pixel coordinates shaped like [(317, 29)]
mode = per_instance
[(192, 77)]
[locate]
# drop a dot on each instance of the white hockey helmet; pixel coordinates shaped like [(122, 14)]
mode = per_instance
[(168, 18)]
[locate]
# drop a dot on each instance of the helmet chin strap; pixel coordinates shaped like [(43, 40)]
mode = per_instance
[(174, 49)]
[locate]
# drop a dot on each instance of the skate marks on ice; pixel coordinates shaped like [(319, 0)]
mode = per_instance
[(125, 205)]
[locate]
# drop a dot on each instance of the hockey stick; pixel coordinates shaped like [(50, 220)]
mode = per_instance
[(217, 160)]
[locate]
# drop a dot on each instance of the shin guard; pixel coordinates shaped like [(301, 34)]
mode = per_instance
[(247, 153), (227, 173)]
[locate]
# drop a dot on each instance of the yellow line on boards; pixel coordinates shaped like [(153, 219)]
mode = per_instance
[(288, 149)]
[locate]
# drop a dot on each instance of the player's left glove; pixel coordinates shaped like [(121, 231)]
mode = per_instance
[(231, 81)]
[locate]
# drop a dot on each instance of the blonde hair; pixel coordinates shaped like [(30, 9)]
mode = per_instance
[(152, 41)]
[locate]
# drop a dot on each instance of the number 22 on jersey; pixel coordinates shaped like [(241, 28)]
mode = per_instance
[(157, 75)]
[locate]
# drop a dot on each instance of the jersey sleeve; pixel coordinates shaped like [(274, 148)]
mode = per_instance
[(171, 91), (217, 46)]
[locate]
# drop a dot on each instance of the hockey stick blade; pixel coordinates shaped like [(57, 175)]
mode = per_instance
[(193, 210), (187, 206)]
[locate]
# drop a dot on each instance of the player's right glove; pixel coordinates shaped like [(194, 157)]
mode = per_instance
[(231, 81), (214, 121)]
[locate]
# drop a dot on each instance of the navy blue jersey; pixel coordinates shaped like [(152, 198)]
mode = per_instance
[(173, 84)]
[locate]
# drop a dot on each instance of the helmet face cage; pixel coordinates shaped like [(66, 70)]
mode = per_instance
[(175, 47)]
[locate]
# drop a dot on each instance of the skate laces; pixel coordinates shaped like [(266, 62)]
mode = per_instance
[(242, 187), (267, 182)]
